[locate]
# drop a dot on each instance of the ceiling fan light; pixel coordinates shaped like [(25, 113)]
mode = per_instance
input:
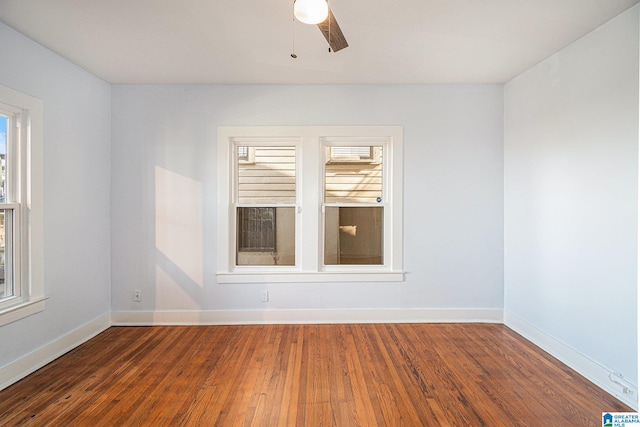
[(311, 11)]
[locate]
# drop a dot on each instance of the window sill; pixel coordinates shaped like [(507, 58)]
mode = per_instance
[(22, 310), (309, 277)]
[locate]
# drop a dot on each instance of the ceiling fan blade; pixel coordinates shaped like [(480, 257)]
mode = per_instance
[(332, 32)]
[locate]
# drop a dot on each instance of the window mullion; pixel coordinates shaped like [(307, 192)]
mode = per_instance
[(309, 214)]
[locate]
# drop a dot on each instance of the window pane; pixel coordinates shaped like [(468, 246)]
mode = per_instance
[(346, 154), (353, 175), (353, 235), (265, 236), (243, 154), (6, 284), (257, 229), (269, 178), (3, 159)]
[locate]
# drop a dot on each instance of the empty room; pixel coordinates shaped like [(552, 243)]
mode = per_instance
[(309, 213)]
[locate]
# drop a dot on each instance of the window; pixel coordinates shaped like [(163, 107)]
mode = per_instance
[(353, 154), (310, 204), (256, 229), (243, 154), (352, 205), (265, 189), (21, 284), (7, 213), (246, 154)]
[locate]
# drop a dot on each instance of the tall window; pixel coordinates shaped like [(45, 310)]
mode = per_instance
[(7, 211), (310, 204), (265, 189), (21, 284), (353, 204)]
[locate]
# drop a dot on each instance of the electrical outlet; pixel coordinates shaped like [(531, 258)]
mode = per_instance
[(137, 295), (627, 388), (264, 296)]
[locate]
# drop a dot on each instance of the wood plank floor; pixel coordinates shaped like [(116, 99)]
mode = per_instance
[(306, 375)]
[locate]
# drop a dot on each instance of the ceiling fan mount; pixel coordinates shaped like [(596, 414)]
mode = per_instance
[(319, 13)]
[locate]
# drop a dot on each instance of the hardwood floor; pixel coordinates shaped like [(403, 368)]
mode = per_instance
[(306, 375)]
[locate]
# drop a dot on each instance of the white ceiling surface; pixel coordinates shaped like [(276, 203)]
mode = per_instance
[(250, 41)]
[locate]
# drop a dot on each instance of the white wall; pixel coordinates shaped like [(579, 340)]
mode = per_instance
[(77, 133), (164, 183), (571, 208)]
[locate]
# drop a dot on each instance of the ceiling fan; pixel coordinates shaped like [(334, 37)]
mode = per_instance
[(318, 12)]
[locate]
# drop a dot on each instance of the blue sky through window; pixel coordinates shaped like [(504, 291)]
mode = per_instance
[(3, 135)]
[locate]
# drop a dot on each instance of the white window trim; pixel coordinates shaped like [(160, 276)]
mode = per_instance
[(309, 175), (30, 298)]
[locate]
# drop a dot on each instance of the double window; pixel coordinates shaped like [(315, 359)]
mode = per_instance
[(310, 204), (21, 285)]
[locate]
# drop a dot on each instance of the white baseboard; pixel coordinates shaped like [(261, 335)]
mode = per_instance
[(594, 372), (234, 317), (35, 360)]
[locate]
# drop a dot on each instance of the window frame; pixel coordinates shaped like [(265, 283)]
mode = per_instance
[(386, 196), (24, 199), (310, 142), (233, 179), (13, 194)]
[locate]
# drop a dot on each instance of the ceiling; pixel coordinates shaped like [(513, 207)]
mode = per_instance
[(250, 41)]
